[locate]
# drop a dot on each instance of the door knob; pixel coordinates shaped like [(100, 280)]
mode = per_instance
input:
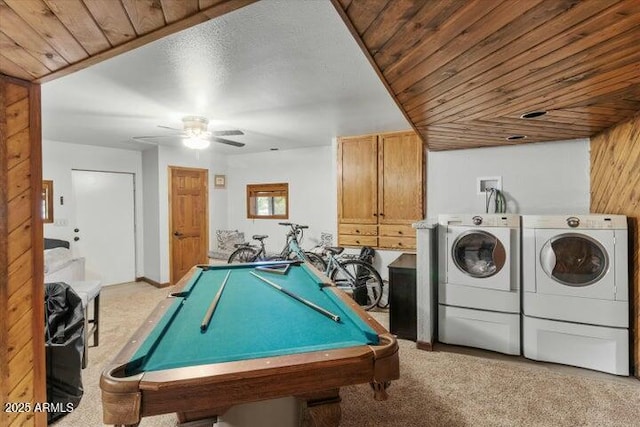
[(177, 234)]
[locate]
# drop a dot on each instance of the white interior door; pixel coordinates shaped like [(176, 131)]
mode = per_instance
[(105, 218)]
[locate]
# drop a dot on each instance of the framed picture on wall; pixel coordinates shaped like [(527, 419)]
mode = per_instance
[(220, 181)]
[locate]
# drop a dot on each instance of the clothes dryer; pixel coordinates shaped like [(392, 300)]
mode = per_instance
[(576, 291), (479, 281)]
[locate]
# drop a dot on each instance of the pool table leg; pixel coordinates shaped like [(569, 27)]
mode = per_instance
[(380, 389), (321, 409)]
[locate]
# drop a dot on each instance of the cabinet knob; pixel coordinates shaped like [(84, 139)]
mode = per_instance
[(375, 214), (358, 241), (381, 214), (399, 243), (357, 231), (399, 232)]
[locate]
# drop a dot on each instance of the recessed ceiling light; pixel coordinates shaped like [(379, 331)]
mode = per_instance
[(515, 137), (533, 114)]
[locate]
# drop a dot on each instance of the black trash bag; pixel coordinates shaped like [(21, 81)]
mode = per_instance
[(360, 292), (366, 254), (64, 341)]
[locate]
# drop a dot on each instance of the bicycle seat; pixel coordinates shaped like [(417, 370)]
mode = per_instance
[(259, 237), (335, 250)]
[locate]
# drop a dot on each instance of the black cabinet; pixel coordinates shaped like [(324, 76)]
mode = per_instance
[(402, 297)]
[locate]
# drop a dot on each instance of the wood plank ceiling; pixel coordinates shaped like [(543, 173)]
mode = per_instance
[(462, 71), (44, 39)]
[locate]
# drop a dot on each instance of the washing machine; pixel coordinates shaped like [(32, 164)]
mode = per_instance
[(479, 281), (576, 291)]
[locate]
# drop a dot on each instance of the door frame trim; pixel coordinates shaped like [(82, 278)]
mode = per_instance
[(170, 171)]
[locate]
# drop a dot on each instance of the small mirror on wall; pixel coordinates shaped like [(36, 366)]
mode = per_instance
[(47, 201), (268, 201)]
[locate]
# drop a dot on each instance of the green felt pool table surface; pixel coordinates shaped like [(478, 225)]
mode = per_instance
[(260, 344), (251, 320)]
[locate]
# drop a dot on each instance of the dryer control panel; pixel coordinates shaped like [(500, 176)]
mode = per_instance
[(577, 222)]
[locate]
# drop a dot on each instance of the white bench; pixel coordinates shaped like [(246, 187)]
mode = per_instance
[(88, 291)]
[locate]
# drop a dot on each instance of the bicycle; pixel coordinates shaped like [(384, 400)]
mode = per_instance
[(355, 277), (247, 252), (292, 247), (364, 256)]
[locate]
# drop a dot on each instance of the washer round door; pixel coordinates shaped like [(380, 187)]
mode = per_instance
[(575, 260), (478, 254)]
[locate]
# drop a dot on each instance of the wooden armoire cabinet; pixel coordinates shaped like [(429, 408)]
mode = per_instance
[(380, 189)]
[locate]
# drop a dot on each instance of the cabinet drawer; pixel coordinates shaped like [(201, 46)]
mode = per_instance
[(397, 242), (351, 240), (400, 230), (358, 229)]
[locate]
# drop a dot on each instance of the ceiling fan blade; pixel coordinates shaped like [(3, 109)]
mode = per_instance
[(143, 140), (227, 141), (226, 132), (158, 136), (167, 127)]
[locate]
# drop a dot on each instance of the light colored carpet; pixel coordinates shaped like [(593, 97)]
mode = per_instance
[(451, 386)]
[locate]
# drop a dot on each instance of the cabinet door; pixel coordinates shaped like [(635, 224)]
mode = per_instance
[(400, 175), (357, 180)]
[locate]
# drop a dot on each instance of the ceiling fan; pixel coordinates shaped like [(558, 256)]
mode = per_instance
[(195, 134)]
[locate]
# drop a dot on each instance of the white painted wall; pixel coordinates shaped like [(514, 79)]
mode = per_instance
[(542, 178), (151, 204), (59, 158), (311, 176)]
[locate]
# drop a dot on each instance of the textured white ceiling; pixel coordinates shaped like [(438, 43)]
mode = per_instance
[(287, 73)]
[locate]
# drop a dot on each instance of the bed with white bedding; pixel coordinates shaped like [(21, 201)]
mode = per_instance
[(59, 264)]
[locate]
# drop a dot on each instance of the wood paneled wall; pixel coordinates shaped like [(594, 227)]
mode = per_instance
[(22, 364), (615, 189)]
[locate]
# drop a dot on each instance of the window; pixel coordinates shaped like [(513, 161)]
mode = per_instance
[(47, 201), (268, 201)]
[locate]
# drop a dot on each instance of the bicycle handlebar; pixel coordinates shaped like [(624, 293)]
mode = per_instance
[(294, 226)]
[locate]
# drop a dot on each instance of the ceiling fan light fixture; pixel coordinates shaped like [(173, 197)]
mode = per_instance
[(196, 126), (196, 143)]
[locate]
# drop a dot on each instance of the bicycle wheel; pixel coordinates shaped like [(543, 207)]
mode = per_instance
[(242, 255), (360, 280), (316, 260)]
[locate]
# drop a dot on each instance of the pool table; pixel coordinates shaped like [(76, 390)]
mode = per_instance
[(259, 344)]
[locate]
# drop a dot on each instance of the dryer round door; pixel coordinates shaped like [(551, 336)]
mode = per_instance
[(478, 254), (480, 258), (576, 264)]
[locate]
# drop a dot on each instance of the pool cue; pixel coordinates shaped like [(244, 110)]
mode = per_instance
[(214, 304), (308, 303)]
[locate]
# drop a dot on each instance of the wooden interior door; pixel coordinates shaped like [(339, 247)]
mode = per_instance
[(400, 173), (358, 180), (188, 219)]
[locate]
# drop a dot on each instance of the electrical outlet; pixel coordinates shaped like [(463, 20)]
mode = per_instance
[(61, 222)]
